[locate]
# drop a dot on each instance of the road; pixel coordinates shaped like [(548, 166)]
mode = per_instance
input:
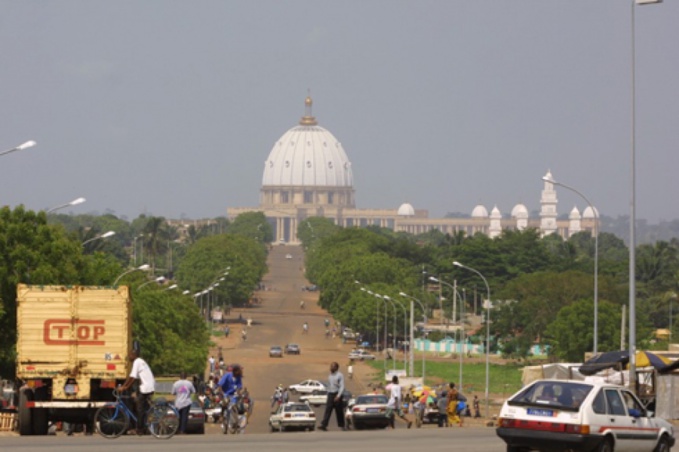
[(472, 439)]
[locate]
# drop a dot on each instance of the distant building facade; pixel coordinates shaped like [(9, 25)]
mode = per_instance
[(308, 174)]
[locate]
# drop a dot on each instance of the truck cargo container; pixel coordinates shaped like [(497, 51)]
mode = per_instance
[(72, 348)]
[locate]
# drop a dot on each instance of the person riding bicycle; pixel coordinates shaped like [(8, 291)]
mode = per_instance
[(301, 304), (147, 386), (230, 383), (305, 328)]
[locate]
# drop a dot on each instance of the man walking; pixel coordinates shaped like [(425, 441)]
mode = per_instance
[(182, 390), (334, 400), (147, 386)]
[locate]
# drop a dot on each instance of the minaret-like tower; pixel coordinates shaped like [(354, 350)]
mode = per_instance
[(548, 204)]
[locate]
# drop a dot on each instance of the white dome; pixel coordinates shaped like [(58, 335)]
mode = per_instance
[(589, 213), (307, 155), (520, 211), (575, 214), (495, 213), (479, 212), (406, 210)]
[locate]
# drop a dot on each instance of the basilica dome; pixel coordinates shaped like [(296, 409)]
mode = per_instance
[(307, 156)]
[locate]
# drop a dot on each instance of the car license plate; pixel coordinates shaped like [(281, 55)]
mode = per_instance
[(540, 412), (372, 410), (300, 415)]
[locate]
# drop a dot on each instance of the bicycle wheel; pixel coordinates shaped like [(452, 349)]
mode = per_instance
[(162, 421), (111, 421)]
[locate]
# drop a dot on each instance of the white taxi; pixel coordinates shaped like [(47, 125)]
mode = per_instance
[(293, 415), (562, 415)]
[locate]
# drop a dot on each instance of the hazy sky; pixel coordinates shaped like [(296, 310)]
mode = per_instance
[(172, 107)]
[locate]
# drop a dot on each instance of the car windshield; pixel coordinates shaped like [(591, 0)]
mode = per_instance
[(371, 400), (563, 395), (297, 407)]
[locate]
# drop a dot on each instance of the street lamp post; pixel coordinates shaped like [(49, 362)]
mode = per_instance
[(455, 294), (412, 333), (75, 202), (141, 268), (457, 264), (21, 147), (100, 236), (633, 219), (159, 280), (595, 345), (405, 324)]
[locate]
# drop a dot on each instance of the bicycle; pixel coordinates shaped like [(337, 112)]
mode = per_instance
[(235, 414), (113, 420)]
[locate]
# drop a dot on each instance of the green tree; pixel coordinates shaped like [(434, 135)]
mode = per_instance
[(31, 252), (571, 334), (253, 225), (208, 259), (170, 330)]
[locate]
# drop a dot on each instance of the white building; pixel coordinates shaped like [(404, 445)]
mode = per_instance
[(308, 173)]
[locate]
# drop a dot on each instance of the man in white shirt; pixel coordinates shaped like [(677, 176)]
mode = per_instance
[(394, 405), (147, 386), (182, 390)]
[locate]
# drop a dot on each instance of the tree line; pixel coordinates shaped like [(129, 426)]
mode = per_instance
[(36, 248), (541, 287)]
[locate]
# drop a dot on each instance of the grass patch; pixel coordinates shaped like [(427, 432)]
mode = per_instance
[(504, 379)]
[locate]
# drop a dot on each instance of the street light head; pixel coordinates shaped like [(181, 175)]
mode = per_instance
[(431, 278), (26, 145), (549, 179), (386, 297), (77, 201), (172, 287), (144, 267), (108, 234), (403, 294), (457, 264), (186, 292)]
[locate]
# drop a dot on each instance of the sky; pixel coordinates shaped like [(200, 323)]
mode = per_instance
[(170, 108)]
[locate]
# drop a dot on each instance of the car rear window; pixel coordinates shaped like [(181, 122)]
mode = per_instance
[(563, 395), (371, 400), (299, 407)]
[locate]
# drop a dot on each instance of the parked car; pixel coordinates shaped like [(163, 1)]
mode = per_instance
[(197, 418), (293, 415), (307, 387), (581, 416), (292, 349), (360, 355), (367, 411), (316, 398), (275, 351)]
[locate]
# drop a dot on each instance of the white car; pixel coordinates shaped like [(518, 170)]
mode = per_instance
[(369, 410), (316, 398), (293, 415), (580, 416), (307, 387), (360, 355)]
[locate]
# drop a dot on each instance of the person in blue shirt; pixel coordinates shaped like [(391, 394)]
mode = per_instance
[(230, 383)]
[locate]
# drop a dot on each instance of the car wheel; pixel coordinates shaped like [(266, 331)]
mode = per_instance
[(272, 427), (282, 428), (606, 445), (663, 445), (201, 430), (516, 449)]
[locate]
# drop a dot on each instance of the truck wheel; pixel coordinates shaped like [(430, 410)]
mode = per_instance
[(25, 418), (40, 421)]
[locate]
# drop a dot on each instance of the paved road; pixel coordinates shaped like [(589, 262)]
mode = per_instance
[(278, 321), (430, 440)]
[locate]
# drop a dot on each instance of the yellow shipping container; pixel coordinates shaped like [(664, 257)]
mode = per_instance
[(72, 345)]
